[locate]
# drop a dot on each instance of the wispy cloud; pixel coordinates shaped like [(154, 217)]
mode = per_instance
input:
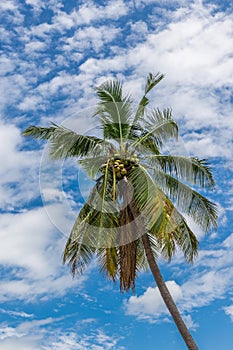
[(229, 311), (37, 334)]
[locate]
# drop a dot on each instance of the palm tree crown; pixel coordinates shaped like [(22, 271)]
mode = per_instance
[(139, 192)]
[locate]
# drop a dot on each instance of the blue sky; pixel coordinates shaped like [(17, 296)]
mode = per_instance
[(52, 55)]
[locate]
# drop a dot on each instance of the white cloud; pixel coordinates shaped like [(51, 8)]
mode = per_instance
[(229, 311), (27, 343), (85, 14), (93, 13), (6, 65), (33, 250), (189, 322), (9, 10), (15, 189), (37, 5), (38, 334), (30, 103), (150, 304), (14, 313), (11, 89), (91, 38), (25, 238), (34, 46), (8, 6)]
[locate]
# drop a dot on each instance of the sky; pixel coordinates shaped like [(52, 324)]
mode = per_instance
[(53, 54)]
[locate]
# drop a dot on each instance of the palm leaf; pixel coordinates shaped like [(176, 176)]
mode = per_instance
[(172, 231), (39, 133), (95, 227), (93, 164), (77, 255), (149, 144), (65, 142), (108, 260), (114, 109), (191, 169), (151, 81), (146, 196), (202, 211), (161, 126)]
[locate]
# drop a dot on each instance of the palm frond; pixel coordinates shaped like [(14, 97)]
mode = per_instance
[(151, 81), (202, 210), (127, 240), (114, 109), (108, 260), (172, 231), (77, 255), (39, 133), (142, 263), (149, 144), (95, 227), (146, 196), (160, 125), (111, 131), (191, 169), (65, 142), (93, 164)]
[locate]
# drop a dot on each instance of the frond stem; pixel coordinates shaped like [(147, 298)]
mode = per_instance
[(134, 144), (118, 116)]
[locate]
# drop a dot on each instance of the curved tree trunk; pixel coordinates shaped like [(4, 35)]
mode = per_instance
[(167, 298)]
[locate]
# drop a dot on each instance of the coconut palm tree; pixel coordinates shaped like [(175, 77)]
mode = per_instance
[(135, 211)]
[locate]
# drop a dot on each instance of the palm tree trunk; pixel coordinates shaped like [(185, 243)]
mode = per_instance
[(167, 298)]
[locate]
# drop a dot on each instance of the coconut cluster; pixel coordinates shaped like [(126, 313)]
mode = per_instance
[(121, 165)]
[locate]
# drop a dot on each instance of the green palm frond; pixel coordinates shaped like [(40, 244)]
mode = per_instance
[(149, 144), (77, 255), (146, 195), (40, 133), (172, 232), (142, 263), (96, 226), (161, 126), (109, 91), (189, 201), (115, 131), (155, 246), (191, 169), (151, 81), (114, 109), (65, 142), (166, 126), (93, 165), (108, 261)]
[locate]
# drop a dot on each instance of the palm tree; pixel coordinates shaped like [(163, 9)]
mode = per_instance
[(135, 211)]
